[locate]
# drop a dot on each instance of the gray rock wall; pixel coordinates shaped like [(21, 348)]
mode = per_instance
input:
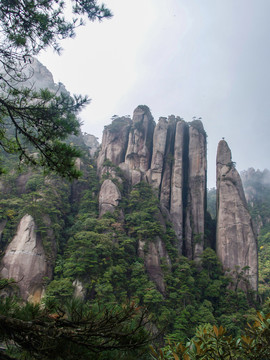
[(25, 260), (109, 197), (236, 239), (165, 191), (196, 184), (114, 142), (171, 156), (140, 142), (177, 183)]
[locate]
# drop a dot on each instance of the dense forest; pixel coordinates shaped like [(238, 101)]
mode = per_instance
[(108, 251), (96, 260)]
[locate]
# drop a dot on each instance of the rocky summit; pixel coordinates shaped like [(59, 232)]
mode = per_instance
[(171, 156)]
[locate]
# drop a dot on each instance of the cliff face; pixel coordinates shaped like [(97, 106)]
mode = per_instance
[(236, 240), (114, 142), (140, 140), (171, 156), (25, 260), (196, 185)]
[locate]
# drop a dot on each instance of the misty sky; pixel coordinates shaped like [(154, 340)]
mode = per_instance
[(203, 58)]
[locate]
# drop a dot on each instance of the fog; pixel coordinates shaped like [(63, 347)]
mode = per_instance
[(207, 59)]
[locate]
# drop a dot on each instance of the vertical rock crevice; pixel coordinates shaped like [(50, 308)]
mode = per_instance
[(165, 186), (158, 154)]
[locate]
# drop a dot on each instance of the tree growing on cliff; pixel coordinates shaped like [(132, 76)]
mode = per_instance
[(34, 123)]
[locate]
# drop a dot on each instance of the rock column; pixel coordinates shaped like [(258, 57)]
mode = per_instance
[(236, 240)]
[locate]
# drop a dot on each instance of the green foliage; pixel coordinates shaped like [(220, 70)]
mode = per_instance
[(264, 264), (215, 343), (34, 123), (33, 26), (45, 198), (117, 125), (257, 188), (101, 255), (77, 330), (142, 213)]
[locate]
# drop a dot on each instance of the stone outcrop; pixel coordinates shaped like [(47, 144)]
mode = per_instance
[(236, 241), (114, 142), (159, 146), (91, 142), (196, 190), (41, 78), (177, 182), (139, 150), (165, 191), (25, 260), (109, 197), (152, 262), (171, 156)]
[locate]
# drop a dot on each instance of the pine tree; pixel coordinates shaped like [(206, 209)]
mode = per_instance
[(34, 123)]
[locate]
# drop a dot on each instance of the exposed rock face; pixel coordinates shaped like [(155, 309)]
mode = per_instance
[(156, 251), (25, 260), (196, 185), (21, 182), (139, 150), (159, 146), (41, 78), (91, 142), (177, 182), (172, 158), (79, 291), (236, 240), (165, 191), (109, 197), (114, 142)]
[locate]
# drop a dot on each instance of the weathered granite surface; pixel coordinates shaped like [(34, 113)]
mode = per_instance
[(236, 239), (25, 260)]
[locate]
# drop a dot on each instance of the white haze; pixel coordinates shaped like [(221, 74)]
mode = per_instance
[(207, 59)]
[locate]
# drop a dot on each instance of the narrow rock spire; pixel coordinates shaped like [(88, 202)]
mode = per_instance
[(236, 240)]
